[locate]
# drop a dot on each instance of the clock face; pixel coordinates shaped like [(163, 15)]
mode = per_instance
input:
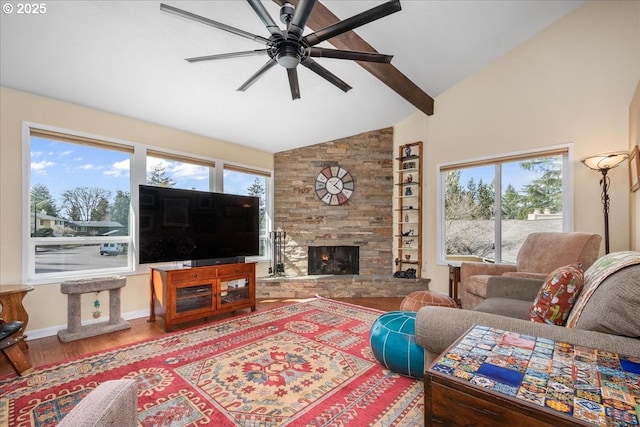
[(334, 185)]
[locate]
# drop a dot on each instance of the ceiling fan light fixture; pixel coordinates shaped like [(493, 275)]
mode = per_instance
[(288, 53), (288, 59)]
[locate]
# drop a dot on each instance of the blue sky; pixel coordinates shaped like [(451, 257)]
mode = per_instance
[(62, 166), (512, 174)]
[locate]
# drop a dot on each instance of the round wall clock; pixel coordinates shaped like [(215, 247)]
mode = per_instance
[(334, 185)]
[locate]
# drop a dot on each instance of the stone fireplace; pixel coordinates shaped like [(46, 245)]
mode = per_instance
[(333, 260), (364, 221)]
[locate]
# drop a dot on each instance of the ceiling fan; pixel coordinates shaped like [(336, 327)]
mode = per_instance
[(288, 47)]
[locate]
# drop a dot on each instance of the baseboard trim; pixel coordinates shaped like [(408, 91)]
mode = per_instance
[(53, 330)]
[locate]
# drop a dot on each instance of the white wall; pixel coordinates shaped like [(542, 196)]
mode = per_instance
[(571, 83), (634, 198)]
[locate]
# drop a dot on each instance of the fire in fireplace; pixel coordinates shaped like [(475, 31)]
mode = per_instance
[(334, 260)]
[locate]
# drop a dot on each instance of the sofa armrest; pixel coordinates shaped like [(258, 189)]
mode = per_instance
[(468, 269), (527, 275), (437, 328), (112, 403), (513, 288)]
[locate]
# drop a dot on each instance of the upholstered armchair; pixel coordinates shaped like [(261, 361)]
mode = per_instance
[(540, 254)]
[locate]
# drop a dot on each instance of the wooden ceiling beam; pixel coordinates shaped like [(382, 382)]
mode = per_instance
[(322, 17)]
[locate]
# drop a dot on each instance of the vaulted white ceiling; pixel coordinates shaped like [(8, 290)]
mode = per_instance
[(127, 57)]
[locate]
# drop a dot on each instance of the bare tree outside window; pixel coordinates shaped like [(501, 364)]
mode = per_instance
[(531, 200)]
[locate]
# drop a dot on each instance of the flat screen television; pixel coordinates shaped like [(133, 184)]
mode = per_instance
[(201, 227)]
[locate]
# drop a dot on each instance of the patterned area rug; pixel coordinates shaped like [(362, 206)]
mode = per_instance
[(305, 364)]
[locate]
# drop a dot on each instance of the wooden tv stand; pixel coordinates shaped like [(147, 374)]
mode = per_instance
[(190, 293)]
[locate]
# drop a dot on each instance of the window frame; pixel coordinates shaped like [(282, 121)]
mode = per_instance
[(567, 191), (268, 199), (137, 176)]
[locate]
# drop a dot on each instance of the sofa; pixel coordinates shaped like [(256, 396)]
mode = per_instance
[(609, 319), (112, 403), (538, 256)]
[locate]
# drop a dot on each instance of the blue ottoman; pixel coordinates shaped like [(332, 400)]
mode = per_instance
[(393, 342)]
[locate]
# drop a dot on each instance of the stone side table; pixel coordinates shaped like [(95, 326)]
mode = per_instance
[(73, 289)]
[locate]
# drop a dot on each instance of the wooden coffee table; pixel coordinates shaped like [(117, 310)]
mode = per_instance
[(491, 377)]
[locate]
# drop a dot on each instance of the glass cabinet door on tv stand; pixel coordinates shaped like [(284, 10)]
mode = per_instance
[(408, 208)]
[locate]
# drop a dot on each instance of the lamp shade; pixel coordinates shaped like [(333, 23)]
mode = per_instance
[(605, 161)]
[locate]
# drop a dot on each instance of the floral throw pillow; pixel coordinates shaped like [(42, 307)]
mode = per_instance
[(557, 295)]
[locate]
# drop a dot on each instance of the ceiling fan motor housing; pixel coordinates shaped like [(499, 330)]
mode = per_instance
[(288, 53)]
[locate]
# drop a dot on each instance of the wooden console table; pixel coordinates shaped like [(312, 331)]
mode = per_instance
[(11, 297), (491, 377), (190, 293)]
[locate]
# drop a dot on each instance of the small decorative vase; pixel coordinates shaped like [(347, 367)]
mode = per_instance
[(408, 257), (408, 192), (407, 151)]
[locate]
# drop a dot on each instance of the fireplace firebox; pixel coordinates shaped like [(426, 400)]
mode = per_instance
[(333, 260)]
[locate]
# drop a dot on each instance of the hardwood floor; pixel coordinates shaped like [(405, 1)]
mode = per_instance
[(49, 350)]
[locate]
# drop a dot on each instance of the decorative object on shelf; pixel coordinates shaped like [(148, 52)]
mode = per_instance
[(410, 273), (96, 305), (407, 150), (406, 217), (408, 191), (603, 163), (407, 257), (409, 165), (408, 179), (634, 169), (334, 185), (408, 233)]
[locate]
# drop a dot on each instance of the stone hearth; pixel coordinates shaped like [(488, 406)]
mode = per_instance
[(341, 286)]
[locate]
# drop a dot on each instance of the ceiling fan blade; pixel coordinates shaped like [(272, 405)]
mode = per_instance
[(293, 83), (300, 17), (354, 22), (267, 20), (227, 55), (386, 73), (320, 52), (326, 74), (212, 23), (270, 63)]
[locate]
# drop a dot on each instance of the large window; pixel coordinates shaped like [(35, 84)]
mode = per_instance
[(79, 206), (164, 170), (78, 220), (489, 206), (251, 183)]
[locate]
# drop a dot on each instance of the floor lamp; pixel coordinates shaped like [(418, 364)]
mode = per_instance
[(602, 163)]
